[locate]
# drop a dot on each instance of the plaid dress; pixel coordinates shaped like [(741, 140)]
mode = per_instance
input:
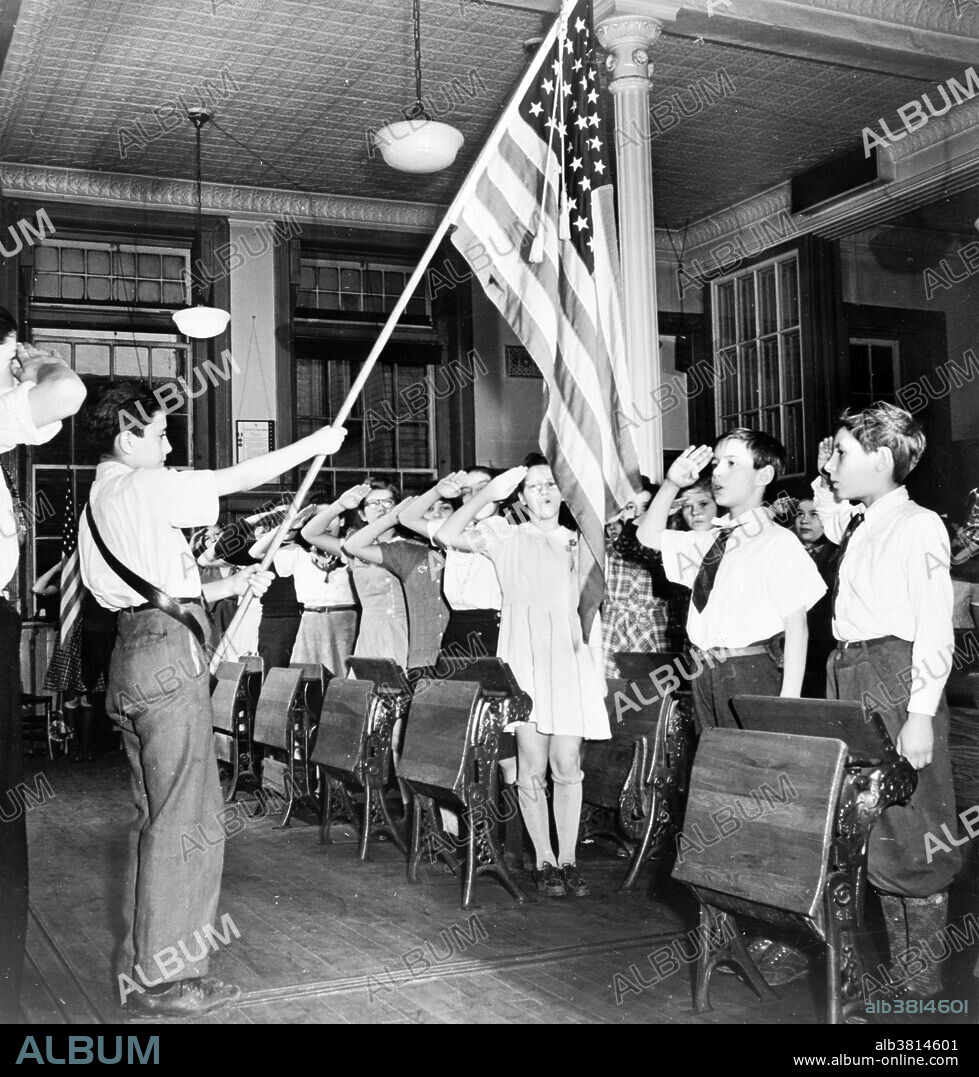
[(64, 672), (635, 613)]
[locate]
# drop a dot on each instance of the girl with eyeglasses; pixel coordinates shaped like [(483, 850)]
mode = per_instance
[(383, 631), (541, 640)]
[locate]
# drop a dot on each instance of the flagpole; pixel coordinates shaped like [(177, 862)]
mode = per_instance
[(224, 646)]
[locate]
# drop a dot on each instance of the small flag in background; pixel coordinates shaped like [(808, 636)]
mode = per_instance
[(71, 577), (539, 234)]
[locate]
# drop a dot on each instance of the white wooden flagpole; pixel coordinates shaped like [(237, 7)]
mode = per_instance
[(225, 645)]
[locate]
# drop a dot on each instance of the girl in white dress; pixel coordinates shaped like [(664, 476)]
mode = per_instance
[(541, 640)]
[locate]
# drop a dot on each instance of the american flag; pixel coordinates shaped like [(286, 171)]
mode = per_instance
[(539, 233), (71, 577)]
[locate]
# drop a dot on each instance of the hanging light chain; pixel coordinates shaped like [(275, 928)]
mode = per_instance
[(416, 25)]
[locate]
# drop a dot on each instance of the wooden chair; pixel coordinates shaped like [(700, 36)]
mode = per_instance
[(285, 718), (756, 842), (838, 815), (353, 747), (234, 696), (451, 756)]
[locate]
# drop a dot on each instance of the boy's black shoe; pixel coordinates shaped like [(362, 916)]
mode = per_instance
[(548, 881), (186, 998), (574, 884)]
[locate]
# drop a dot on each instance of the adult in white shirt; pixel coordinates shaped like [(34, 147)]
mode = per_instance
[(37, 391)]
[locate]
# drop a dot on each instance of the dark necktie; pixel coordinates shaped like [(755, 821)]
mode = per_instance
[(704, 583), (855, 521)]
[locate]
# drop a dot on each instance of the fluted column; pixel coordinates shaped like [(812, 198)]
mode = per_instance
[(627, 39)]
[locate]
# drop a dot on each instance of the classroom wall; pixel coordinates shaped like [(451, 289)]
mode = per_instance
[(508, 410), (885, 267), (253, 324)]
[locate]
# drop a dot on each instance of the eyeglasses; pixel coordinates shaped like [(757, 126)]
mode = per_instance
[(383, 501)]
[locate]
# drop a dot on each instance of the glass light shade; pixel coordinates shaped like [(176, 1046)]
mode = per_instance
[(418, 145), (201, 322)]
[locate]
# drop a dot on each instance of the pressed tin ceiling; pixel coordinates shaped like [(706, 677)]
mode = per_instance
[(93, 84)]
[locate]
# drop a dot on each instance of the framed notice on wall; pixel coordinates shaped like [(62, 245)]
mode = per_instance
[(254, 437)]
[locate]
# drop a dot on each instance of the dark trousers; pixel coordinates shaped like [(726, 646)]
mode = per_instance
[(13, 826), (898, 858), (471, 633), (713, 688), (276, 638)]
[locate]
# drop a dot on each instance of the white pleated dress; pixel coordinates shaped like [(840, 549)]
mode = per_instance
[(540, 633)]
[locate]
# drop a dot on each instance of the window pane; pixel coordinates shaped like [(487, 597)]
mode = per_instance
[(792, 438), (746, 307), (791, 366), (766, 299), (131, 362), (769, 372), (789, 298), (727, 380), (165, 363), (351, 453), (92, 358), (99, 264), (413, 445), (724, 294), (748, 361), (771, 421), (72, 287)]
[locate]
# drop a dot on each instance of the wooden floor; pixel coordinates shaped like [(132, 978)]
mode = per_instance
[(324, 938)]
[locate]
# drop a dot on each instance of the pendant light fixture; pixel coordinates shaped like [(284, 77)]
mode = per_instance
[(200, 320), (418, 143)]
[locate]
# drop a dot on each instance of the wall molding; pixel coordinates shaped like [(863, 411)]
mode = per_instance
[(247, 203)]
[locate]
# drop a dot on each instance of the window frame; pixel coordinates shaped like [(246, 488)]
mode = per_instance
[(725, 419)]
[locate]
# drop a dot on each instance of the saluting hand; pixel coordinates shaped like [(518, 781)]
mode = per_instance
[(451, 486), (689, 464), (351, 499), (823, 454), (500, 488)]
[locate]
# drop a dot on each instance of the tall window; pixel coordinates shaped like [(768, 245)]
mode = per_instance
[(391, 430), (70, 458), (758, 353)]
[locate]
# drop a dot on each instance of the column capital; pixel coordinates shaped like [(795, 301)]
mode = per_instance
[(627, 39)]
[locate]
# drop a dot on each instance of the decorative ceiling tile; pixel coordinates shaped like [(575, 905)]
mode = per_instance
[(296, 87)]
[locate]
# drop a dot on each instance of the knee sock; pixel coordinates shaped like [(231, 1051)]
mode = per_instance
[(916, 923), (567, 816), (533, 807)]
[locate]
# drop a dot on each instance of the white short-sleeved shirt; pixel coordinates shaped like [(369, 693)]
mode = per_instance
[(469, 581), (139, 513), (764, 576), (16, 428), (313, 586)]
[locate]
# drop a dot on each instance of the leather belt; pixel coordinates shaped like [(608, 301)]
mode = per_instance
[(734, 652), (327, 609), (150, 606), (842, 645)]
